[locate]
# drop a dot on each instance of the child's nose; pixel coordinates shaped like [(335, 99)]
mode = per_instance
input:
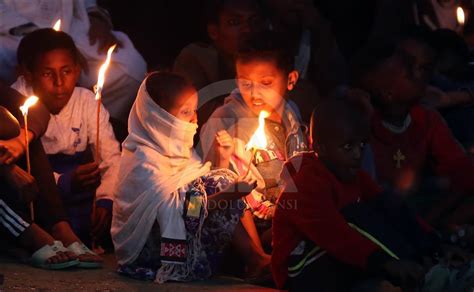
[(357, 152), (58, 80), (194, 119)]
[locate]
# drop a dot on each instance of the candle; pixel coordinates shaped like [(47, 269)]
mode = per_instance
[(98, 94), (57, 25), (258, 139), (24, 110)]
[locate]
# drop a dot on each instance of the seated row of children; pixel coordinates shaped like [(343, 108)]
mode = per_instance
[(175, 213)]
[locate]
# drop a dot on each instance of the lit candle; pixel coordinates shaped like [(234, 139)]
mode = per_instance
[(57, 25), (98, 94), (24, 110), (258, 139)]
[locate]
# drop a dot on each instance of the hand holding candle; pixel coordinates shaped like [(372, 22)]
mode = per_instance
[(24, 110)]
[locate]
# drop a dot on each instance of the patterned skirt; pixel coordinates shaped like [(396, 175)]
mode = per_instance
[(215, 236)]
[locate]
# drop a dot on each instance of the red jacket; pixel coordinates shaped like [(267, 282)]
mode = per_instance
[(428, 142), (309, 208)]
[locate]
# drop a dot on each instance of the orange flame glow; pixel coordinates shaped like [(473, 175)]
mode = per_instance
[(460, 16), (57, 25), (28, 103), (258, 139), (102, 70)]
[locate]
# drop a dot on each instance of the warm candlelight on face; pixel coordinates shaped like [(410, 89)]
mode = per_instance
[(258, 139), (102, 70), (57, 25), (28, 103), (460, 16)]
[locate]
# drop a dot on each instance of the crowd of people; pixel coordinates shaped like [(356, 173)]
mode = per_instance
[(366, 181)]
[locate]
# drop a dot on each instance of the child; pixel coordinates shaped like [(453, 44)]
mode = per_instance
[(331, 228), (18, 189), (265, 74), (51, 63), (409, 139), (172, 217)]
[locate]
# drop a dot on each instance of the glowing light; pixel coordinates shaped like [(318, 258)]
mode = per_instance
[(460, 16), (258, 139), (57, 25), (102, 70), (28, 103)]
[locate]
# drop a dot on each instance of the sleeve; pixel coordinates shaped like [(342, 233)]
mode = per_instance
[(10, 18), (318, 219), (109, 150), (451, 160)]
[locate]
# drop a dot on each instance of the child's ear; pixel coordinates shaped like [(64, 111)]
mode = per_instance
[(292, 79), (28, 76), (212, 32)]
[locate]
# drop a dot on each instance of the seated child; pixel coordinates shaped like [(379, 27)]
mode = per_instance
[(18, 189), (51, 66), (264, 75), (173, 216), (332, 226), (408, 140)]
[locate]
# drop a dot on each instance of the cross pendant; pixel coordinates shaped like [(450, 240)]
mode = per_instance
[(398, 157)]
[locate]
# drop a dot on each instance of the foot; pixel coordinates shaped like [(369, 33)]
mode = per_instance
[(259, 270)]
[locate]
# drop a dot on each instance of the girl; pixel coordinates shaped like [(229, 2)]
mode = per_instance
[(173, 216)]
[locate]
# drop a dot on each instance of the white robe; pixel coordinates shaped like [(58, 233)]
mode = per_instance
[(74, 128), (126, 71)]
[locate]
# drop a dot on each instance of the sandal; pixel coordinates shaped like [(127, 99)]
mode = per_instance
[(81, 249), (38, 258)]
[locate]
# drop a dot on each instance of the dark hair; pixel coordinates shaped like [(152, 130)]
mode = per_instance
[(350, 106), (163, 87), (369, 58), (268, 46), (214, 8), (41, 41)]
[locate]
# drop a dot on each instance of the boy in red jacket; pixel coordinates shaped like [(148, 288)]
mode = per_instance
[(332, 230), (411, 142)]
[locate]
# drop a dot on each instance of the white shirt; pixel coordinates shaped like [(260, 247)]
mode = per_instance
[(74, 128)]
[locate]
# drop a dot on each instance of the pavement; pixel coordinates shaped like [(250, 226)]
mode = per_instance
[(16, 276)]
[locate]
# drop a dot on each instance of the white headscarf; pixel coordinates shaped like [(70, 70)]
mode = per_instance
[(157, 160)]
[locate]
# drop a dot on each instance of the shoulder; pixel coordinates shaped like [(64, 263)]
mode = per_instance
[(199, 50)]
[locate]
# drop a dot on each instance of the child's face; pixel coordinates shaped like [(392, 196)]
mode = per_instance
[(342, 149), (237, 23), (423, 58), (263, 86), (185, 106), (54, 78), (397, 88)]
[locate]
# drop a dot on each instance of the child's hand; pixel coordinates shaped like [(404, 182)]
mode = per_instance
[(403, 273), (86, 177), (23, 182), (224, 147), (10, 151), (101, 222)]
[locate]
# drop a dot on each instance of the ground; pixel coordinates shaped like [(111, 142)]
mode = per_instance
[(21, 277)]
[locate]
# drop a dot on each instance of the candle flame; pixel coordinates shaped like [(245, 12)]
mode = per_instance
[(57, 25), (28, 103), (460, 15), (102, 70), (258, 139)]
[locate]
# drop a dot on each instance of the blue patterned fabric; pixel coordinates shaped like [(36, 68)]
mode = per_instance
[(216, 233)]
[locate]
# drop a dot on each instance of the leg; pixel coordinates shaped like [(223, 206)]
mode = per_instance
[(250, 248)]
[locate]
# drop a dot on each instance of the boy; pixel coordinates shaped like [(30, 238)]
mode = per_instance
[(51, 63), (265, 74), (331, 228), (409, 139)]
